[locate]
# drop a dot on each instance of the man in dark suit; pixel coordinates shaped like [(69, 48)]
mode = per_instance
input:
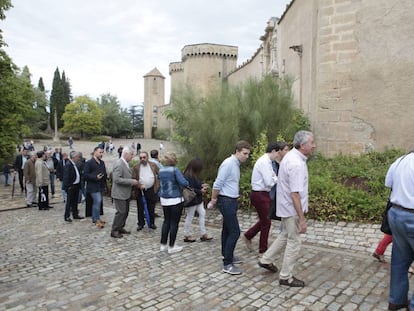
[(71, 184), (19, 165), (122, 183)]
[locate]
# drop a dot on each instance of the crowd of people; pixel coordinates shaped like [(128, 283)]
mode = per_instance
[(279, 189)]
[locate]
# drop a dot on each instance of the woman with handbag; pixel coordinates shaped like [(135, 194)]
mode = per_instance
[(171, 181), (192, 174)]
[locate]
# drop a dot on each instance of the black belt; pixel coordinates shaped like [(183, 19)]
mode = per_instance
[(225, 196), (260, 191), (403, 208)]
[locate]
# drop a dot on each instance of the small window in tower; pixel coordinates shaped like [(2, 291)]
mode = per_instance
[(155, 109), (154, 122), (219, 74)]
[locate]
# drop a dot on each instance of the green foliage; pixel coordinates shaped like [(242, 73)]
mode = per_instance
[(161, 134), (209, 127), (83, 116), (116, 121), (349, 188), (57, 100), (16, 100)]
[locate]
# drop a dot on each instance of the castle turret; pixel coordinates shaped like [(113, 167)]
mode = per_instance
[(154, 96)]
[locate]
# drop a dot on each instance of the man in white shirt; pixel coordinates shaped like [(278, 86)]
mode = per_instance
[(401, 218), (148, 184), (263, 179), (292, 204)]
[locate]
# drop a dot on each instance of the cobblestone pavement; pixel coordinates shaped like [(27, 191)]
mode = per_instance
[(47, 264)]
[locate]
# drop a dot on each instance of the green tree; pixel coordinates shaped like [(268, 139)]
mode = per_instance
[(57, 100), (209, 127), (137, 116), (83, 116), (41, 103), (116, 121), (16, 100), (4, 6), (67, 90)]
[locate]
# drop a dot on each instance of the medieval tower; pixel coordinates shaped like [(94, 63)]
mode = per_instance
[(203, 66), (154, 91)]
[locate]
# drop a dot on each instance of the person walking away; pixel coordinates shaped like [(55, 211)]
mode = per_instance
[(60, 171), (400, 178), (42, 180), (263, 179), (94, 174), (171, 179), (122, 183), (70, 142), (138, 148), (292, 204), (225, 195), (71, 184), (148, 184), (192, 174), (6, 174), (29, 172), (154, 158), (19, 165)]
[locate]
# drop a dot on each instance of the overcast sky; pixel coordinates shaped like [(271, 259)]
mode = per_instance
[(107, 46)]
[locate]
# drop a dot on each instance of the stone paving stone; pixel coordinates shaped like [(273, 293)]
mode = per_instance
[(46, 264)]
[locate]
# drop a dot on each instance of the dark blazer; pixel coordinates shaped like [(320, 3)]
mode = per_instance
[(69, 175), (90, 173), (18, 162), (59, 169)]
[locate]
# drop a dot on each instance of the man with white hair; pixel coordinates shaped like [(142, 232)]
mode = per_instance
[(122, 183), (29, 172), (291, 206)]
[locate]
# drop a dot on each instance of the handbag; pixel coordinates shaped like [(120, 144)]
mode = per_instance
[(385, 226), (188, 194)]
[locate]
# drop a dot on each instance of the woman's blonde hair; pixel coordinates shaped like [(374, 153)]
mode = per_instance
[(169, 159)]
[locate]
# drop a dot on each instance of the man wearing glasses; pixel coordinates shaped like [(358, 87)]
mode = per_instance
[(146, 173)]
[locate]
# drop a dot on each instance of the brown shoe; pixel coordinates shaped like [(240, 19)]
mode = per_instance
[(205, 237), (293, 282), (99, 225), (116, 234), (268, 266), (189, 239), (248, 243)]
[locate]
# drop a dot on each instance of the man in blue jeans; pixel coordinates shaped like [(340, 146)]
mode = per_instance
[(401, 218), (94, 174), (225, 195)]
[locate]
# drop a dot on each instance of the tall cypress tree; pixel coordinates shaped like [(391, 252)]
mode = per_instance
[(41, 85), (67, 89), (57, 100)]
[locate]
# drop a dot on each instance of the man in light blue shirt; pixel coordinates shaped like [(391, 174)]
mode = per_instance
[(225, 194), (400, 177)]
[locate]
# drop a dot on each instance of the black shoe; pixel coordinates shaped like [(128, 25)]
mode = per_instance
[(78, 217), (156, 215), (123, 231), (140, 228), (116, 234), (29, 205), (293, 283), (394, 306), (68, 220), (153, 226), (268, 266), (34, 204)]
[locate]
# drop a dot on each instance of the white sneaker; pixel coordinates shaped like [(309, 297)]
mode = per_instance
[(174, 249), (231, 269), (163, 248)]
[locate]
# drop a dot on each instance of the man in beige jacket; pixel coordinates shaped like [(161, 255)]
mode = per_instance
[(42, 180), (30, 179)]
